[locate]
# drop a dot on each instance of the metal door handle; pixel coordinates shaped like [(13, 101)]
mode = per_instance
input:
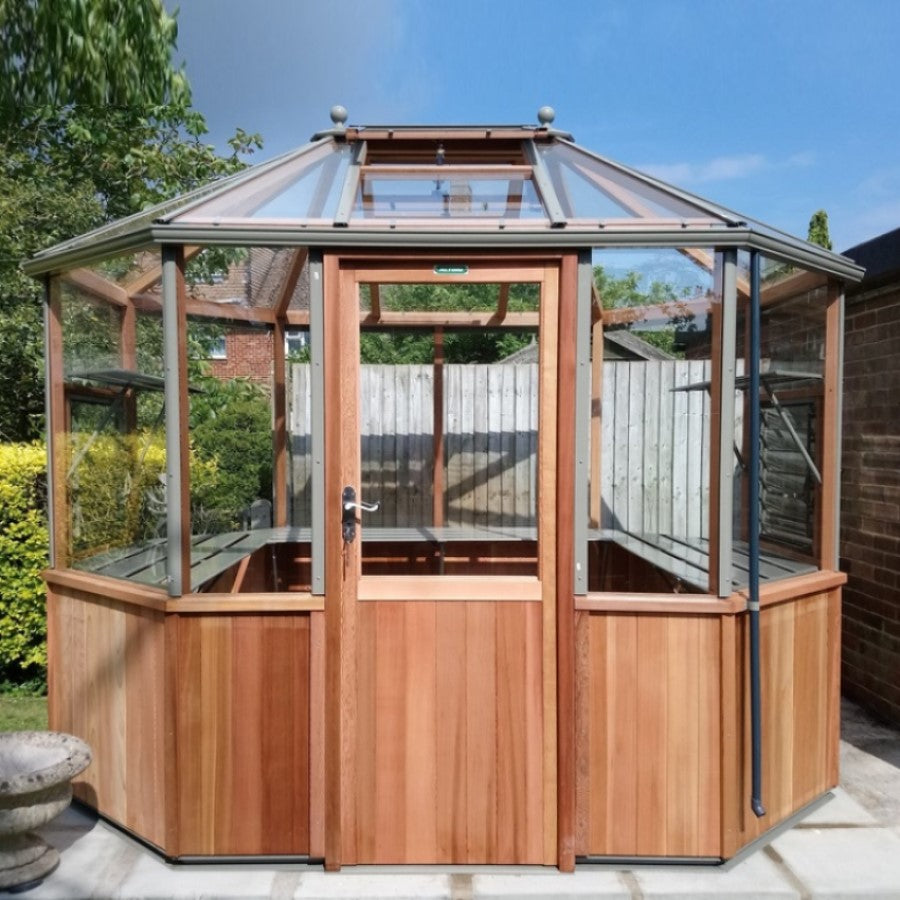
[(349, 504), (362, 505)]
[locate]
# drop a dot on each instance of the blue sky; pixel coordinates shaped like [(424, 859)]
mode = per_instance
[(775, 108)]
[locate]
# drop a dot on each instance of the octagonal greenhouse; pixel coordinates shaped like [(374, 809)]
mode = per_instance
[(445, 495)]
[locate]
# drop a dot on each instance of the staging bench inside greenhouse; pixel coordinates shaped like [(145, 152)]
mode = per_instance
[(445, 523), (686, 560)]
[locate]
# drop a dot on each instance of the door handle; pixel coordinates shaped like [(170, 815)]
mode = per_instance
[(349, 505)]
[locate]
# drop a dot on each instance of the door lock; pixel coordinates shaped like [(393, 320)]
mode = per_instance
[(349, 505)]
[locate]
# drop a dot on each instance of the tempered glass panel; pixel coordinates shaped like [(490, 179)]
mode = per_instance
[(248, 277), (305, 187), (455, 195), (230, 426), (792, 368), (449, 436), (650, 463), (114, 451), (590, 188)]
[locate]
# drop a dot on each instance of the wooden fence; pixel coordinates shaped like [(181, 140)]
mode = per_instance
[(655, 462)]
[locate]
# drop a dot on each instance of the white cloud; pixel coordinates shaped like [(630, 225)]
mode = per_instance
[(723, 168)]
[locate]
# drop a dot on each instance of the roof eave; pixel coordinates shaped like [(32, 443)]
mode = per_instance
[(807, 255)]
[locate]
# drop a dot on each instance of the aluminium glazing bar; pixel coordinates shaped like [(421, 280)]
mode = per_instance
[(317, 387), (351, 185), (48, 419), (726, 423), (544, 186), (753, 603), (839, 427), (174, 438)]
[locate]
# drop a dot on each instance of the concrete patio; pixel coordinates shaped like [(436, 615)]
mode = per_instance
[(847, 847)]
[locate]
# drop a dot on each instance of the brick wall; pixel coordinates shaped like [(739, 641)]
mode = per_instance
[(870, 499), (248, 354)]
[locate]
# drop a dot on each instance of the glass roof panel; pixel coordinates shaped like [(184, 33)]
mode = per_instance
[(501, 192), (303, 188), (589, 187)]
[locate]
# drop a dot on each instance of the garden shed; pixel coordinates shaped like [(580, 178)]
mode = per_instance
[(445, 495)]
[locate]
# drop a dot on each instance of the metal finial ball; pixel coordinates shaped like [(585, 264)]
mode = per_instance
[(339, 115), (546, 115)]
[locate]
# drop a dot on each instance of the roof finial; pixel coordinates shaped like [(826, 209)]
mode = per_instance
[(546, 115), (339, 117)]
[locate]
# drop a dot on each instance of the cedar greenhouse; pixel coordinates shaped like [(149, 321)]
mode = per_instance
[(445, 495)]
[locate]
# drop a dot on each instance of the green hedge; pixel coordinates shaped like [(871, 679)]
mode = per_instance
[(23, 556)]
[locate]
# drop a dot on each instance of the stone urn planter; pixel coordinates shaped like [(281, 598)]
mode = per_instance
[(36, 768)]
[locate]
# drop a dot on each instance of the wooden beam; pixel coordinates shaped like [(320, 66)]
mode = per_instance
[(565, 562), (430, 320), (548, 362), (438, 430), (374, 302), (503, 300), (97, 286), (56, 425), (209, 309), (279, 426), (289, 284), (153, 275)]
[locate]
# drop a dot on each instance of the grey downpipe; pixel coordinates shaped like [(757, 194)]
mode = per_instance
[(756, 803)]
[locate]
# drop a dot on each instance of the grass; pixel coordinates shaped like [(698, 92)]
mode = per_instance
[(22, 713)]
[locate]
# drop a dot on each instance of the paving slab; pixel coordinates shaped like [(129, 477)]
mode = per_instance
[(570, 885), (843, 862), (352, 884), (841, 809), (757, 876)]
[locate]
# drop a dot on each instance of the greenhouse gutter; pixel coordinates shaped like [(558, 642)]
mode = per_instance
[(437, 240)]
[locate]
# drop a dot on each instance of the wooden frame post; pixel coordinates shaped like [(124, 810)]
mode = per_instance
[(438, 429), (565, 563)]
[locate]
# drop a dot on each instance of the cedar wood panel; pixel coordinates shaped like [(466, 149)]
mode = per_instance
[(663, 734)]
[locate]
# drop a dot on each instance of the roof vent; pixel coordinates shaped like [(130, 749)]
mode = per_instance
[(546, 115), (339, 117)]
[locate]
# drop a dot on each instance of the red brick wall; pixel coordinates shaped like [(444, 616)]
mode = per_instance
[(870, 502), (248, 354)]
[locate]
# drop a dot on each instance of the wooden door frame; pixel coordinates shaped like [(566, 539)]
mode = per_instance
[(555, 503)]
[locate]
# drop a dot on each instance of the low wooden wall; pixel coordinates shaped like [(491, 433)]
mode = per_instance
[(663, 733), (106, 684), (199, 722)]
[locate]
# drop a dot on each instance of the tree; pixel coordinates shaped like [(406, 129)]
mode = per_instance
[(59, 53), (818, 230), (95, 123)]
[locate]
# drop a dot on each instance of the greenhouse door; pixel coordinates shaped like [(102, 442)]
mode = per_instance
[(441, 396)]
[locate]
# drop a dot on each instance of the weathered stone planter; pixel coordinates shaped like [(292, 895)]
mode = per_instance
[(36, 768)]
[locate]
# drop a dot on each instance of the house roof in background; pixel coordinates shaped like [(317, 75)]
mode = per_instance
[(880, 257)]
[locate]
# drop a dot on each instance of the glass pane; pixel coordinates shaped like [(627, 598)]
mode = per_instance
[(588, 187), (243, 277), (448, 422), (230, 370), (115, 447), (306, 186), (447, 194), (792, 364), (650, 419)]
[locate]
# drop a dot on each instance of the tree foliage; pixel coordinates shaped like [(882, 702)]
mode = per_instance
[(95, 123), (87, 52), (818, 230)]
